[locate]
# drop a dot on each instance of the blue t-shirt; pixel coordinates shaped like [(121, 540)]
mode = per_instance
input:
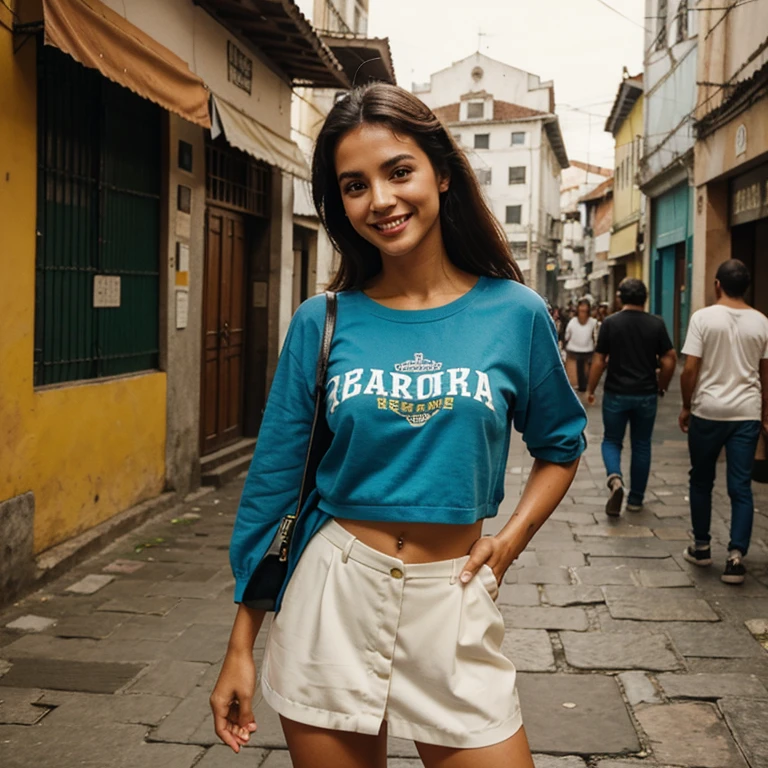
[(421, 404)]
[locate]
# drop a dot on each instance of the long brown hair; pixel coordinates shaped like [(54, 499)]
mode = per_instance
[(473, 237)]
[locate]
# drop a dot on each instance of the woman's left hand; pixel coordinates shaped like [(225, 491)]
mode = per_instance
[(492, 551)]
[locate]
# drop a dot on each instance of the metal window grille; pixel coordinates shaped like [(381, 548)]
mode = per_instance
[(240, 69), (483, 175), (517, 174), (482, 140), (235, 180), (99, 153), (514, 214), (475, 109)]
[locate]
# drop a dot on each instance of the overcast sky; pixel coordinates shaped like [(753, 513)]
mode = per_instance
[(580, 44)]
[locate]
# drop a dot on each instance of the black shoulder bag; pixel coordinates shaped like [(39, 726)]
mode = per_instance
[(267, 580)]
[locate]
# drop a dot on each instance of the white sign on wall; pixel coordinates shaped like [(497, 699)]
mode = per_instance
[(182, 308), (106, 291)]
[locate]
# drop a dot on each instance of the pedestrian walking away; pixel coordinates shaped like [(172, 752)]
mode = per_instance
[(579, 345), (388, 623), (632, 345), (725, 403)]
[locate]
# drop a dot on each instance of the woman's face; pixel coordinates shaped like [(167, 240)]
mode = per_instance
[(390, 190), (583, 313)]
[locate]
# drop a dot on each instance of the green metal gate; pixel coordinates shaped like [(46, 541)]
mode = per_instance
[(99, 181)]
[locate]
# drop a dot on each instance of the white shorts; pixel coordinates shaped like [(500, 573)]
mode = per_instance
[(362, 637)]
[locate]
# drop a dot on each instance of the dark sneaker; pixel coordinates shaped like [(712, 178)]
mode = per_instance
[(700, 557), (634, 507), (613, 505), (734, 572)]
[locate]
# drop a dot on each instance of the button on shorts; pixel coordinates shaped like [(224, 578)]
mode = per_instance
[(363, 637)]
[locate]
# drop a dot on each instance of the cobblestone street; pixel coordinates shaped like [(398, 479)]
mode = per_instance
[(628, 656)]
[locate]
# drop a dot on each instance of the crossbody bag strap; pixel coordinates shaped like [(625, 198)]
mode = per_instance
[(320, 376)]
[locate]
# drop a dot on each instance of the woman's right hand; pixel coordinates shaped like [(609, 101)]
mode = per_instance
[(232, 697)]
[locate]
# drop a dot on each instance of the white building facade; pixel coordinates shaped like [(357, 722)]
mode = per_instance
[(576, 266), (504, 120)]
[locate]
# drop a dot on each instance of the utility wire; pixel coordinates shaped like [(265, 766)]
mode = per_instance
[(624, 16)]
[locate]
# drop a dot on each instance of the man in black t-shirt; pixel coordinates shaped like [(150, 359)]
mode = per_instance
[(632, 344)]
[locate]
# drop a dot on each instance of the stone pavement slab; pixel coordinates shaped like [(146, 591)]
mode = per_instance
[(530, 650), (543, 575), (601, 576), (712, 640), (518, 594), (119, 746), (747, 720), (662, 579), (635, 563), (544, 618), (638, 688), (90, 584), (20, 706), (153, 606), (169, 678), (96, 626), (690, 734), (646, 548), (657, 605), (580, 729), (89, 677), (221, 756), (74, 710), (578, 594), (31, 623), (616, 650), (712, 686), (548, 761), (566, 558), (614, 531)]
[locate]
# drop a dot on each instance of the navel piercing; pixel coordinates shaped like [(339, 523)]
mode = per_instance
[(400, 543)]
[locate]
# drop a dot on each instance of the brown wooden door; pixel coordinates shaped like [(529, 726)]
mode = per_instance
[(221, 419)]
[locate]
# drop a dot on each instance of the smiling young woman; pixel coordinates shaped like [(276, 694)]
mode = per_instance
[(388, 623)]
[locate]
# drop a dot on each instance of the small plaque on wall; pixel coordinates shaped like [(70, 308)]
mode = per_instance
[(182, 308), (184, 201), (106, 291), (260, 295), (183, 225)]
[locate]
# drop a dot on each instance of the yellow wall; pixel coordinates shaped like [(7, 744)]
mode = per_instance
[(626, 196), (86, 451)]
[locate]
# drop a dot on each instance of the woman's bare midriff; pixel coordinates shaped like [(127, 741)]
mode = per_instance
[(415, 542)]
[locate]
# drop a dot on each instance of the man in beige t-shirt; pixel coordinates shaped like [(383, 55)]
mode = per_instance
[(725, 405)]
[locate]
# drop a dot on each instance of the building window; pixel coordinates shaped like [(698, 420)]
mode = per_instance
[(482, 140), (518, 137), (682, 21), (97, 281), (517, 174), (475, 109), (483, 175), (661, 25), (514, 214)]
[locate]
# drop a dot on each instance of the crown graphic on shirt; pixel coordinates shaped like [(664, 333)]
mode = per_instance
[(419, 364)]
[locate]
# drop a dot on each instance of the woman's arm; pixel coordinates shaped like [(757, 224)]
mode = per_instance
[(546, 486), (233, 693)]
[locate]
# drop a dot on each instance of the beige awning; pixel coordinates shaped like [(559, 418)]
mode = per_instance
[(623, 241), (249, 135), (101, 39)]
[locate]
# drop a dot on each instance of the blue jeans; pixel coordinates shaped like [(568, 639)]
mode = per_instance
[(640, 412), (706, 438)]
